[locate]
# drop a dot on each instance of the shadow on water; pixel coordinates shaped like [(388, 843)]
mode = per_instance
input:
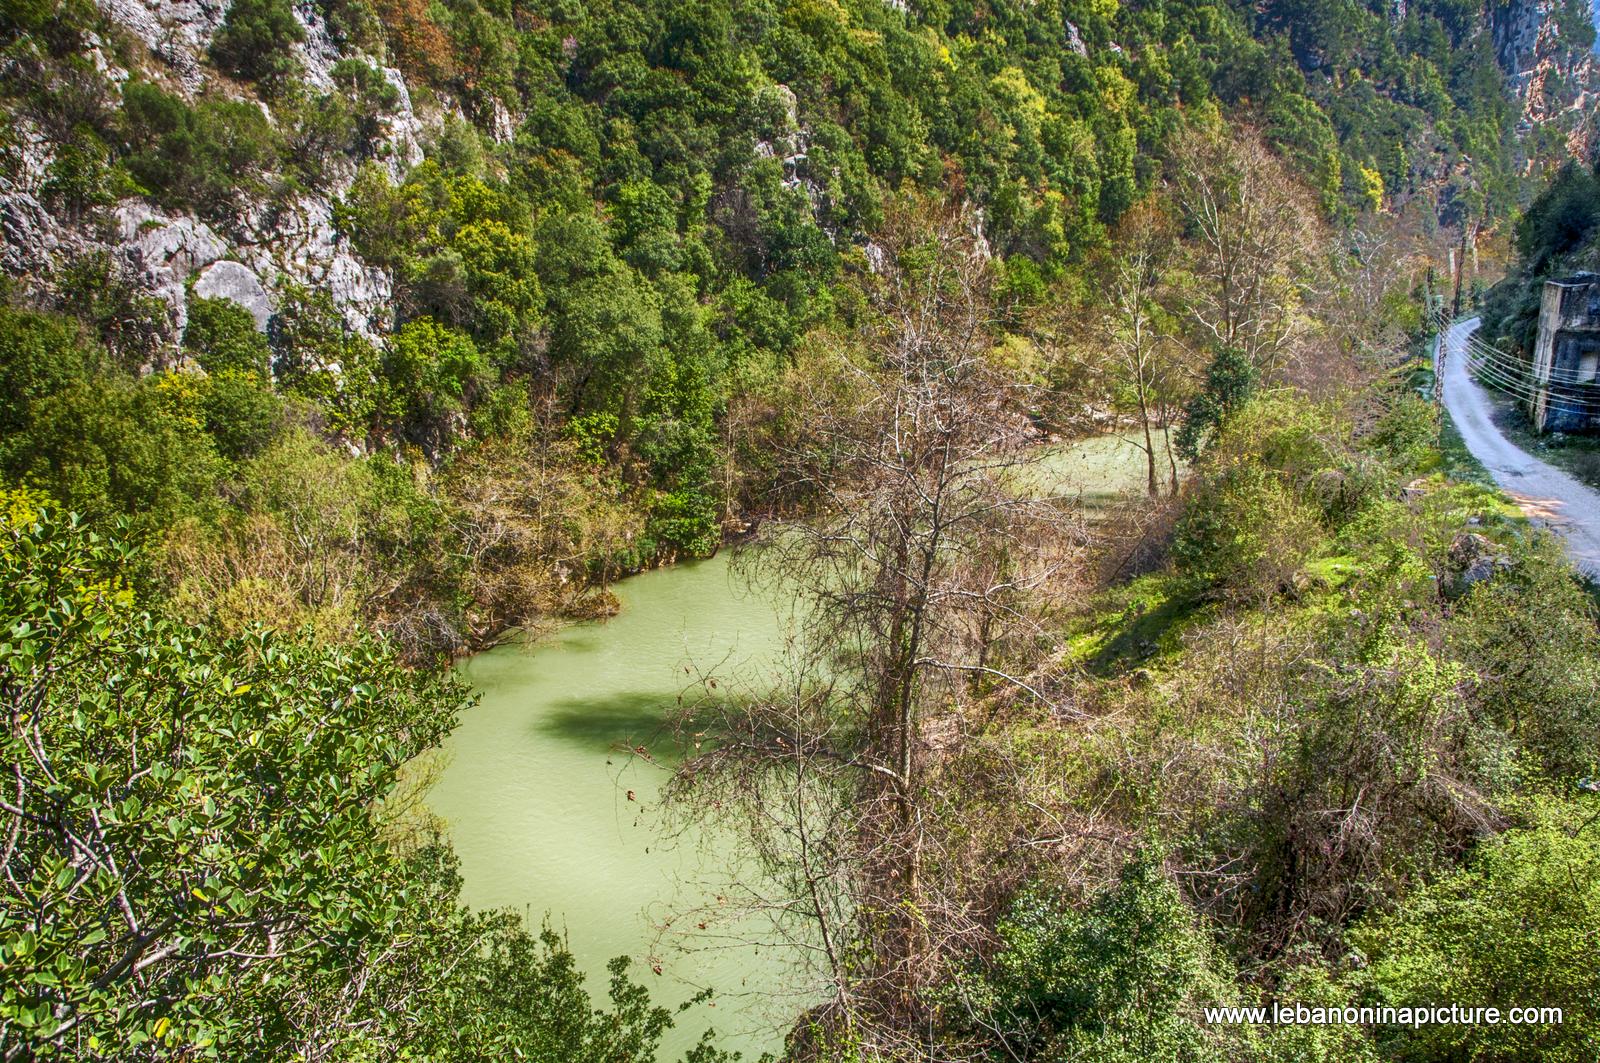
[(602, 722)]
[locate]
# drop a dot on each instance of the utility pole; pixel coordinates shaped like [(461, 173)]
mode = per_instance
[(1433, 306), (1460, 262)]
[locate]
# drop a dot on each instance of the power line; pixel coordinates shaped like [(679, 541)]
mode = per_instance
[(1496, 379), (1519, 368)]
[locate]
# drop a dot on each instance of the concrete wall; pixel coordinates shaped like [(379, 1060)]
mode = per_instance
[(1566, 357)]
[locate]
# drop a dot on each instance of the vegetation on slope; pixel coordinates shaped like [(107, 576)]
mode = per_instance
[(1322, 735)]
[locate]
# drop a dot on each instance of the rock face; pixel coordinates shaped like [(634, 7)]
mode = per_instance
[(402, 145), (317, 53), (300, 242), (249, 257), (161, 251), (1557, 80), (28, 238), (237, 284), (177, 32)]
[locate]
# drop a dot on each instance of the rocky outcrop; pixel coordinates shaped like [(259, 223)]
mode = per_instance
[(1557, 79), (317, 53), (28, 239), (299, 241), (161, 251), (401, 147), (237, 284), (247, 258), (177, 32), (1474, 559)]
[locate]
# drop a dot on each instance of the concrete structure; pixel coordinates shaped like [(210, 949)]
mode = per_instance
[(1566, 358)]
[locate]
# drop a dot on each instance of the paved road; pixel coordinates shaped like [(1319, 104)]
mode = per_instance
[(1546, 494)]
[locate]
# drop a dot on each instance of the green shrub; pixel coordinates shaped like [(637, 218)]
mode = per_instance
[(1515, 927), (255, 42), (1229, 383), (1243, 534), (241, 412), (1407, 436), (428, 372), (221, 335), (1121, 978), (202, 157)]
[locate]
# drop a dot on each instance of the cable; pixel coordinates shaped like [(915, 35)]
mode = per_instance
[(1522, 392), (1518, 368)]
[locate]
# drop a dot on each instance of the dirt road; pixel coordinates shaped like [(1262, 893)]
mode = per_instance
[(1546, 494)]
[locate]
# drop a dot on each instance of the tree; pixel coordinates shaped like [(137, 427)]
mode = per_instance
[(1230, 381), (1253, 236), (927, 544), (1131, 325), (221, 335), (256, 39), (198, 859)]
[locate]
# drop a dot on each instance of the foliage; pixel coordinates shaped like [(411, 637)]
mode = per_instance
[(221, 335), (1244, 534), (200, 862), (1512, 928), (1119, 977), (1230, 380), (204, 157), (255, 40)]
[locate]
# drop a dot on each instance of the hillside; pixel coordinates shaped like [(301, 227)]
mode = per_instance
[(342, 338), (612, 223)]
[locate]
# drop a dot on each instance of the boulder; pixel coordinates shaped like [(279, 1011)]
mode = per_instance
[(161, 251), (1474, 558), (237, 284)]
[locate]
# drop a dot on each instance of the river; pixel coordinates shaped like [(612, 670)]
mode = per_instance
[(548, 818)]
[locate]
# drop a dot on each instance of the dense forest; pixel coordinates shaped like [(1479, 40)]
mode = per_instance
[(340, 338), (1557, 236)]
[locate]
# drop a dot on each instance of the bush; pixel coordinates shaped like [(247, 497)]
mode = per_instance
[(1229, 383), (221, 335), (255, 41), (203, 157), (1407, 436), (1515, 927), (241, 413), (1119, 979), (1244, 535)]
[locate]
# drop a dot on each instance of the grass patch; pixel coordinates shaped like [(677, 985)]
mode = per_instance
[(1136, 623), (1458, 462)]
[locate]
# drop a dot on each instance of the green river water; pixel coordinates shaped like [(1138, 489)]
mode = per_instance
[(550, 819)]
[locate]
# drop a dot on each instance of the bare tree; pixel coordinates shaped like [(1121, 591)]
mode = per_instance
[(1253, 238), (1145, 359), (918, 574)]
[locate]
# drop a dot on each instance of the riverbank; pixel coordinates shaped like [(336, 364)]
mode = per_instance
[(552, 785)]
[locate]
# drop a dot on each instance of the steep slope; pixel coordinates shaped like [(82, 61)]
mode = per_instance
[(779, 125)]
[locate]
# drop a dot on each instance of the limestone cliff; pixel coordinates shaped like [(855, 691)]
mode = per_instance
[(261, 245), (1546, 48)]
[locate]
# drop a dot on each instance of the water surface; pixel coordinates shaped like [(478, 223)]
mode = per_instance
[(551, 816)]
